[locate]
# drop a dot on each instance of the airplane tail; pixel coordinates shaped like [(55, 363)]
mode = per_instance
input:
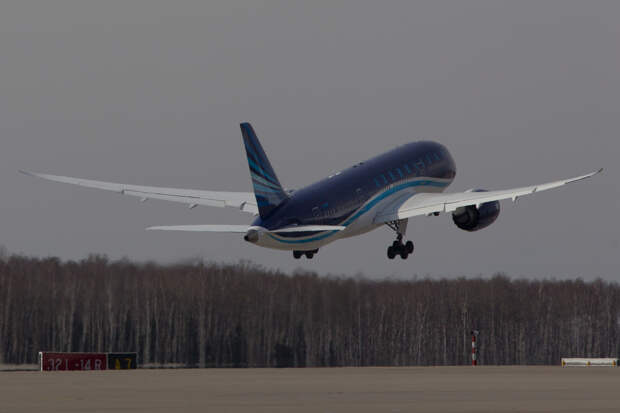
[(267, 189)]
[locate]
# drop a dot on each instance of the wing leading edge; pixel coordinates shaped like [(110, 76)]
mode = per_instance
[(244, 201), (424, 204)]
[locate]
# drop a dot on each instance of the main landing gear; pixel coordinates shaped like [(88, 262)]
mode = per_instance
[(308, 254), (398, 247)]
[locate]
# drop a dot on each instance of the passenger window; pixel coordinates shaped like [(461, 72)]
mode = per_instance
[(391, 175), (377, 182), (399, 172), (316, 212), (384, 180), (437, 157), (407, 169)]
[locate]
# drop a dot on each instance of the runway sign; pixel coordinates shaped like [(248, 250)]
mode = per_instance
[(589, 362), (53, 361), (72, 361), (122, 361)]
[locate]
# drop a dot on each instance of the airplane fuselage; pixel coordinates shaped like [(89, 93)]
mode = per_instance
[(349, 197)]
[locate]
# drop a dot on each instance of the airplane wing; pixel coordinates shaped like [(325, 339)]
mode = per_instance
[(245, 201), (428, 203)]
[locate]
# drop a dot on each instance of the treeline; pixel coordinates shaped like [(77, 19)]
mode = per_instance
[(242, 315)]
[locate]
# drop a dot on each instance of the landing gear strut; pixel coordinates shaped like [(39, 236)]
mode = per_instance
[(398, 247), (309, 254)]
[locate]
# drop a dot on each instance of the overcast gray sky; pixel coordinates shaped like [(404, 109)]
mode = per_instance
[(152, 92)]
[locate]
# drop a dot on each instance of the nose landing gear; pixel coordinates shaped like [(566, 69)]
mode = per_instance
[(398, 247)]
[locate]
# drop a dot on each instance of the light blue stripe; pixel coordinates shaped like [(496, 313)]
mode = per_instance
[(263, 181), (261, 170), (258, 159), (364, 209), (249, 149), (261, 188)]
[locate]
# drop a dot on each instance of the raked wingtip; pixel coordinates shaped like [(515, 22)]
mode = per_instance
[(25, 172)]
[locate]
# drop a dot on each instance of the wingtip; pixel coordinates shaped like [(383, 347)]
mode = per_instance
[(159, 228), (23, 171)]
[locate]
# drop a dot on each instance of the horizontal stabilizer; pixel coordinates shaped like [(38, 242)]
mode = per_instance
[(245, 228), (308, 228), (203, 228)]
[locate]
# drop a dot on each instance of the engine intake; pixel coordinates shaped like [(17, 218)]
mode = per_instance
[(472, 218)]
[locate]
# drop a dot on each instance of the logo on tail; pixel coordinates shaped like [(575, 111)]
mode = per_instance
[(267, 189)]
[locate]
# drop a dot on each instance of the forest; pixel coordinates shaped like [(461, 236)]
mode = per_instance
[(201, 314)]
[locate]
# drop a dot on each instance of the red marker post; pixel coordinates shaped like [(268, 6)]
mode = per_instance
[(474, 348)]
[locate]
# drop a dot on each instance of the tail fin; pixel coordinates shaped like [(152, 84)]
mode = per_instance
[(267, 189)]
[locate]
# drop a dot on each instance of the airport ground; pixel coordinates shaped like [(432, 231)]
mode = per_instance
[(376, 389)]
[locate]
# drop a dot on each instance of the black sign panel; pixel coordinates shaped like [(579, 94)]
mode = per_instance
[(122, 361)]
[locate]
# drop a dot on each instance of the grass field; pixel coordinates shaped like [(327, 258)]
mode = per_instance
[(405, 389)]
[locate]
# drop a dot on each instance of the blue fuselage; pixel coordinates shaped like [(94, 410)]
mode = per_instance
[(343, 197)]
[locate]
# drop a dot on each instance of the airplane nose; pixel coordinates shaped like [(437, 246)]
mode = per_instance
[(251, 236)]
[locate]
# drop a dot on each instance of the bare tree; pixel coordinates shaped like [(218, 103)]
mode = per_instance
[(205, 314)]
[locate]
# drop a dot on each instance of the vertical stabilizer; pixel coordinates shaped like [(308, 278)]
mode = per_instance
[(267, 189)]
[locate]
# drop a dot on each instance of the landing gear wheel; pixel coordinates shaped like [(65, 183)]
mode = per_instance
[(297, 254), (309, 254), (398, 247), (391, 253), (409, 247)]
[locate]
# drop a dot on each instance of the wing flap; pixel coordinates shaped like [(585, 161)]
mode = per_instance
[(425, 203)]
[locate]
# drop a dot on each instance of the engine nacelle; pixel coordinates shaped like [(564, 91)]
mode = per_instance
[(472, 218)]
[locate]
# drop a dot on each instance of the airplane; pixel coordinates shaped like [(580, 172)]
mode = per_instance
[(389, 189)]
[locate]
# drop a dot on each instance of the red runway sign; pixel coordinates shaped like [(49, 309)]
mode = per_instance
[(72, 361)]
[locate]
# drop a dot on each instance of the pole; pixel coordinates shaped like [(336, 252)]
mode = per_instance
[(474, 349)]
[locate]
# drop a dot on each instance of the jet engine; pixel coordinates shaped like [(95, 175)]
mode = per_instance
[(472, 218)]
